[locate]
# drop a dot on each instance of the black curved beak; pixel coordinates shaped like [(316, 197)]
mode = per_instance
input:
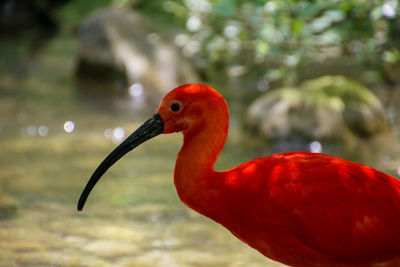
[(151, 128)]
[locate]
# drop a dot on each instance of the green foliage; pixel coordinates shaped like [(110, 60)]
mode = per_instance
[(72, 14), (272, 40), (225, 8)]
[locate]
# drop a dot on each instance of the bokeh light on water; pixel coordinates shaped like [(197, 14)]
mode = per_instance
[(118, 134), (43, 130), (108, 133), (31, 130), (315, 147), (69, 126), (136, 90)]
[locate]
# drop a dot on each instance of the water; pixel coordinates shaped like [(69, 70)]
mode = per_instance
[(52, 136)]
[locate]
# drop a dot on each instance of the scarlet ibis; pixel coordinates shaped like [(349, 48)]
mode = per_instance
[(298, 208)]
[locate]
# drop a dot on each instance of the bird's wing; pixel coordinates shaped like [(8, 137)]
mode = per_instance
[(340, 208)]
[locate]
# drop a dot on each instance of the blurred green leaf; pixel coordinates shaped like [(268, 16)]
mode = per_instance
[(297, 26), (224, 8), (262, 48), (392, 56)]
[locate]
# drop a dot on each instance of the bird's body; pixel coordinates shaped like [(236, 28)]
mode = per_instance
[(299, 208), (306, 209)]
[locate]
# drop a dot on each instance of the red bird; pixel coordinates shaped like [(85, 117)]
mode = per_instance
[(301, 209)]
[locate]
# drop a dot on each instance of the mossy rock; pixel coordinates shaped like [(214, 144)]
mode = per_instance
[(329, 107)]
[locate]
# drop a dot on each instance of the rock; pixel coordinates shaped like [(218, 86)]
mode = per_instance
[(123, 47), (329, 107)]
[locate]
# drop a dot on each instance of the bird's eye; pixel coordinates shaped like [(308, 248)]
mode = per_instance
[(175, 107)]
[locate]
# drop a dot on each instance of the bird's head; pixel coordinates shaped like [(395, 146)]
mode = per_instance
[(187, 108)]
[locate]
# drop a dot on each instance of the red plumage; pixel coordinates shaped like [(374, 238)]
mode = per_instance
[(301, 209), (313, 209)]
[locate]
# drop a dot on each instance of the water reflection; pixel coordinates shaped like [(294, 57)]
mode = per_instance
[(136, 90), (116, 135), (109, 133), (43, 130), (69, 126), (315, 147), (31, 130)]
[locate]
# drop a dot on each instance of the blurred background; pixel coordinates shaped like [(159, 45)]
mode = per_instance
[(76, 77)]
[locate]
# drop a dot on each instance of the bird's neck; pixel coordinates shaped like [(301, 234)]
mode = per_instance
[(194, 173)]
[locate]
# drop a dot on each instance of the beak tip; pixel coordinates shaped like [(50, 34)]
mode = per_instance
[(80, 205), (151, 128)]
